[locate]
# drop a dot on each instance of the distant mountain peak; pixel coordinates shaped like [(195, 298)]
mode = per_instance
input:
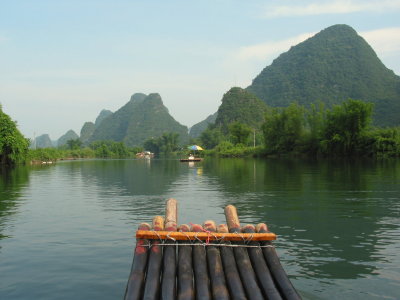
[(139, 119), (332, 66), (138, 98)]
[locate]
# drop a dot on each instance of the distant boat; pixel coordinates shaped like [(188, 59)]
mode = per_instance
[(145, 154), (191, 158)]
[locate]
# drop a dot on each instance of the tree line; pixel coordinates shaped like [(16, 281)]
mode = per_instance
[(343, 130)]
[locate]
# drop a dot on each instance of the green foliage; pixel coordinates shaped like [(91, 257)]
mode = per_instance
[(13, 145), (283, 128), (46, 154), (239, 105), (110, 149), (239, 133), (211, 137), (227, 149), (165, 144), (345, 128), (334, 65), (315, 120), (74, 144), (341, 131), (385, 142)]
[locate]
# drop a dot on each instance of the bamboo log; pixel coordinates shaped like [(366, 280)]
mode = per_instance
[(134, 287), (215, 267), (231, 272), (185, 273), (246, 271), (283, 283), (260, 267), (152, 286), (168, 282), (193, 236), (202, 282)]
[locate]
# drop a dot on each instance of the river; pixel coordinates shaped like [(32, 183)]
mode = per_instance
[(67, 230)]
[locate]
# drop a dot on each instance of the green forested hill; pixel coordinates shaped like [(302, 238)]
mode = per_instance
[(87, 131), (43, 141), (239, 105), (198, 128), (69, 135), (103, 115), (143, 117), (334, 65)]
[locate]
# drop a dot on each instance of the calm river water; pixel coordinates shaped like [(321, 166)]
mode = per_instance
[(67, 230)]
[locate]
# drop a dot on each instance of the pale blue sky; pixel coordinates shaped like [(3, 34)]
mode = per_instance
[(62, 62)]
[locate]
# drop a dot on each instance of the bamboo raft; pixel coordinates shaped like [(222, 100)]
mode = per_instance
[(206, 262)]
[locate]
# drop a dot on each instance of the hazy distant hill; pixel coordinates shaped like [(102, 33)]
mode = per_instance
[(43, 141), (197, 129), (69, 135), (141, 118), (103, 115), (239, 105), (87, 131), (334, 65)]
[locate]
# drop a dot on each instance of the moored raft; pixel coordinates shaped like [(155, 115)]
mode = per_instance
[(206, 261)]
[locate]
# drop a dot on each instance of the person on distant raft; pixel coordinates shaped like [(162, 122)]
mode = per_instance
[(191, 157)]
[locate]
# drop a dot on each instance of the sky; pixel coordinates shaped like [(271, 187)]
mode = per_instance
[(62, 62)]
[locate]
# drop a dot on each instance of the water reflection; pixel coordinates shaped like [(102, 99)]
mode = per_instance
[(337, 222), (12, 180), (329, 214)]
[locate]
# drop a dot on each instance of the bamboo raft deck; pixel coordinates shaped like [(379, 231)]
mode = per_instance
[(206, 261)]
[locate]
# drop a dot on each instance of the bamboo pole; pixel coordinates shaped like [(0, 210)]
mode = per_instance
[(152, 285), (231, 272), (194, 236), (201, 280), (168, 282), (134, 287), (260, 267), (185, 273), (246, 271), (283, 283), (217, 277)]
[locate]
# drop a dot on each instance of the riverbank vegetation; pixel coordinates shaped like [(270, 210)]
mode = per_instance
[(343, 131), (13, 145)]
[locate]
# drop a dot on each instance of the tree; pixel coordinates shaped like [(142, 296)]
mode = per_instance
[(345, 128), (211, 137), (283, 128), (239, 133), (13, 145), (165, 144), (74, 144)]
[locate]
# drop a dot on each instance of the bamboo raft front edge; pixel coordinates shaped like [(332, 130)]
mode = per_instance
[(206, 261)]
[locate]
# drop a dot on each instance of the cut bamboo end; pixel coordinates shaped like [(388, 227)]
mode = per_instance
[(261, 227), (184, 228), (144, 226), (158, 223), (171, 211), (248, 228), (196, 228), (203, 236), (232, 218), (209, 225), (222, 228)]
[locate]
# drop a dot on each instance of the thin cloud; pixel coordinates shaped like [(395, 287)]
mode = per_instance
[(335, 7), (385, 41), (269, 49)]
